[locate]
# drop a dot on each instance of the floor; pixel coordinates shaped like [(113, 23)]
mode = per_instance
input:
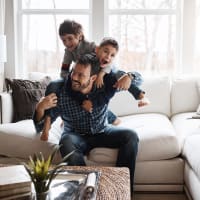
[(144, 196)]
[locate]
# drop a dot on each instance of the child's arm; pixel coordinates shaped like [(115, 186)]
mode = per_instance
[(105, 70), (47, 125), (67, 60), (99, 80), (64, 70)]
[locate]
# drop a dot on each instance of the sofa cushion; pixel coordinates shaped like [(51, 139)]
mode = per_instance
[(184, 95), (191, 151), (185, 125), (158, 139), (157, 91), (21, 140), (154, 130), (25, 95)]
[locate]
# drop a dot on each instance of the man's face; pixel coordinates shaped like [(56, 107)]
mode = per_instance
[(106, 55), (71, 41), (80, 77)]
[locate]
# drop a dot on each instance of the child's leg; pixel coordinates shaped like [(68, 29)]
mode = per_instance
[(54, 88), (112, 118), (135, 83), (137, 77), (47, 125)]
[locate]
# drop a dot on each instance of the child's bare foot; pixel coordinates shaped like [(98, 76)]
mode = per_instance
[(44, 136), (143, 102), (116, 122)]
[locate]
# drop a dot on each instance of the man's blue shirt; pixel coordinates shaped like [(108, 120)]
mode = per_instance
[(70, 109)]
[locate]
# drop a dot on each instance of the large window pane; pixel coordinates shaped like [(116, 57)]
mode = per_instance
[(42, 48), (58, 4), (147, 42), (142, 4)]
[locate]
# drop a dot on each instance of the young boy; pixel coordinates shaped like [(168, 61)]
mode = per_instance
[(105, 55), (71, 34)]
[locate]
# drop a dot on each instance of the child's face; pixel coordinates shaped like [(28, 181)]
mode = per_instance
[(106, 55), (71, 41)]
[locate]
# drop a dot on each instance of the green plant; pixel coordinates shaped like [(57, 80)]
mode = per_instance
[(42, 172)]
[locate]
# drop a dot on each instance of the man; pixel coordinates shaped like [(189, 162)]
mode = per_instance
[(85, 130)]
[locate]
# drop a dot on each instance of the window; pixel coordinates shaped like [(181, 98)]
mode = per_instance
[(146, 31), (155, 36), (40, 20)]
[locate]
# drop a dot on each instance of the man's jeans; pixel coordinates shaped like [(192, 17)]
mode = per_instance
[(125, 140)]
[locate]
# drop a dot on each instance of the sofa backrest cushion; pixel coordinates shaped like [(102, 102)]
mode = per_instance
[(157, 90), (184, 95)]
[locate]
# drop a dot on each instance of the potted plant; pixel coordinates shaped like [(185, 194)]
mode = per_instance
[(42, 172)]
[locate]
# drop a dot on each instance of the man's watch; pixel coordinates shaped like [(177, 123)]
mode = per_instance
[(130, 75)]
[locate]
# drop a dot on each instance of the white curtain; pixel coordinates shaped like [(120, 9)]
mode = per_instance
[(2, 16), (197, 37), (3, 43)]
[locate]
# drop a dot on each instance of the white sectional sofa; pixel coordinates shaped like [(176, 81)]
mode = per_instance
[(169, 148)]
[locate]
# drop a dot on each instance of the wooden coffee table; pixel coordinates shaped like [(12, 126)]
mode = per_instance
[(114, 182)]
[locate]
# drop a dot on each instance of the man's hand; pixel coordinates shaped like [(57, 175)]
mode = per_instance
[(123, 83), (45, 103), (87, 105)]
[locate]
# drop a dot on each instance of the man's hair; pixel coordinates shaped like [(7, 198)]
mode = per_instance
[(109, 41), (90, 60), (70, 27)]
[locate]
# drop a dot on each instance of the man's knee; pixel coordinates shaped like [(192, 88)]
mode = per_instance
[(66, 145), (132, 135)]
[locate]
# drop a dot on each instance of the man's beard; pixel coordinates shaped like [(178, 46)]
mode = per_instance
[(77, 86)]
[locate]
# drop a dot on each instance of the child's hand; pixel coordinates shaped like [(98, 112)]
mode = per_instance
[(143, 102), (123, 83), (99, 81), (44, 136), (87, 105)]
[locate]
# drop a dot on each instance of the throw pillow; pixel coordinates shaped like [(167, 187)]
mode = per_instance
[(25, 95)]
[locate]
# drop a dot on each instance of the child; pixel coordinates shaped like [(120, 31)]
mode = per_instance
[(105, 54), (71, 34)]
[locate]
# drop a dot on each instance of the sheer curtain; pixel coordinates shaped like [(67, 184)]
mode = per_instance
[(197, 38), (2, 43), (2, 16)]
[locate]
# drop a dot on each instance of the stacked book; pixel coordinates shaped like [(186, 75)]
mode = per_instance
[(14, 183)]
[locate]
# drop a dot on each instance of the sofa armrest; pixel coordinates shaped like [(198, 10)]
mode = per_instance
[(6, 107)]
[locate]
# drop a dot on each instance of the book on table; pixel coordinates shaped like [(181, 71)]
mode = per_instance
[(75, 185), (14, 180)]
